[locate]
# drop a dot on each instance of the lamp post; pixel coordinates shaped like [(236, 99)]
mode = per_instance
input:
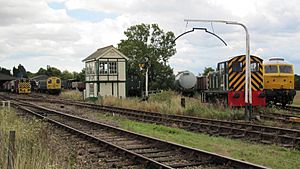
[(248, 91)]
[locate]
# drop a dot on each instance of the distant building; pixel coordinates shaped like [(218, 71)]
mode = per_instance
[(4, 78), (105, 73)]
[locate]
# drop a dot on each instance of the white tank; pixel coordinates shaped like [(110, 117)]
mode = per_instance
[(185, 81)]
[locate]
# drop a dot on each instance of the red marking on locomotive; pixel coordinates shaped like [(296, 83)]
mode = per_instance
[(237, 98)]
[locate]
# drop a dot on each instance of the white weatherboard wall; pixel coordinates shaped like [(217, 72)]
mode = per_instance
[(106, 73)]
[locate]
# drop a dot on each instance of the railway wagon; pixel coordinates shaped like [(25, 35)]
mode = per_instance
[(226, 85), (279, 81), (7, 86), (51, 85), (78, 85), (134, 85), (202, 83)]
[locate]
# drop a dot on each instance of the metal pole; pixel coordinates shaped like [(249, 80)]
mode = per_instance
[(248, 90), (146, 90)]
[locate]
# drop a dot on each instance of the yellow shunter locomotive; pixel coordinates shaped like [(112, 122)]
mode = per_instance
[(279, 81), (23, 86)]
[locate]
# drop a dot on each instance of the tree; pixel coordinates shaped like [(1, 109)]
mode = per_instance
[(67, 75), (207, 70), (41, 71), (79, 76), (5, 71), (30, 74), (20, 72), (150, 45), (52, 71)]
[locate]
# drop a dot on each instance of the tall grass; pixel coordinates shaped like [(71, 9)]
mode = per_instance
[(72, 94), (169, 102), (31, 143)]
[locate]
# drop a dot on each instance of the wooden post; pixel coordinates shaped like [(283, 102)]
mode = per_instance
[(11, 150), (183, 102)]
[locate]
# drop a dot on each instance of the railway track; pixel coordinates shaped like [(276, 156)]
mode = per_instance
[(292, 117), (294, 109), (289, 138), (285, 118), (144, 151)]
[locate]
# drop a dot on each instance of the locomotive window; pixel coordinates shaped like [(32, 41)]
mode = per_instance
[(254, 67), (221, 66), (57, 81), (285, 69), (271, 69), (50, 81), (237, 66)]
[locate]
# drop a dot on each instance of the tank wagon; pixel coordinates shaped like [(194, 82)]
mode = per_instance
[(185, 82), (226, 85), (279, 81)]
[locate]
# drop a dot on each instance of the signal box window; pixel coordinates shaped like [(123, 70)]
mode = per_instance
[(103, 68), (286, 69), (108, 68), (237, 66), (90, 68), (271, 69), (112, 67), (254, 67)]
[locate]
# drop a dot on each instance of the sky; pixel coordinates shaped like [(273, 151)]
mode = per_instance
[(61, 33)]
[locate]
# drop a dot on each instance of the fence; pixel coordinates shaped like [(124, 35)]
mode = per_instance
[(11, 150)]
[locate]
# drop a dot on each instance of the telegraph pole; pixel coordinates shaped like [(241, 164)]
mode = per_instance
[(248, 90)]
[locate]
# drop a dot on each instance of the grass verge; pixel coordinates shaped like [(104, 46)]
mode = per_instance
[(31, 143)]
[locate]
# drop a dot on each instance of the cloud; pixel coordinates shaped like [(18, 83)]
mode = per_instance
[(63, 32)]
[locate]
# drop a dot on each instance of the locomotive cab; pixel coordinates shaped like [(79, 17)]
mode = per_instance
[(279, 81)]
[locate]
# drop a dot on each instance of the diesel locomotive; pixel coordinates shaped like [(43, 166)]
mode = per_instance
[(279, 81), (51, 85), (226, 85)]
